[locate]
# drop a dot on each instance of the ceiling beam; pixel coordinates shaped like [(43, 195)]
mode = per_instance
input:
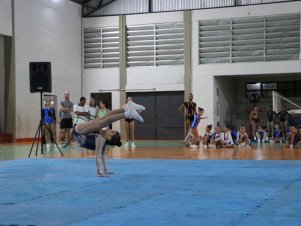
[(150, 6), (107, 3), (85, 6), (99, 6)]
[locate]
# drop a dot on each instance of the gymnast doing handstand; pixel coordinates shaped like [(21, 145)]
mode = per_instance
[(91, 136)]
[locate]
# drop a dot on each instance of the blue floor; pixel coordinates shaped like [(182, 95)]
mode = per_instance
[(150, 192)]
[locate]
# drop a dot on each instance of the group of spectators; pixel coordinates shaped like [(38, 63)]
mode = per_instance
[(276, 123), (276, 129), (90, 126), (82, 113)]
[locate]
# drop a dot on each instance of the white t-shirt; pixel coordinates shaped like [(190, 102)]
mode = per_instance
[(207, 134), (92, 112), (78, 119), (228, 138), (219, 136)]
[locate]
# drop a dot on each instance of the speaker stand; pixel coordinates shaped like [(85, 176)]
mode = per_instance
[(40, 132)]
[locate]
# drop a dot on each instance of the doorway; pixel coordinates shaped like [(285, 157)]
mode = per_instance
[(105, 97), (234, 96), (162, 119)]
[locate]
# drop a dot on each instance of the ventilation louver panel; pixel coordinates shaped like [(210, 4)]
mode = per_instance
[(214, 41), (283, 37), (169, 44), (247, 39), (140, 45), (155, 44), (250, 39), (101, 47)]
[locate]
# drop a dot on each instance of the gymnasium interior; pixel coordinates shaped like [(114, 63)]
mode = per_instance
[(232, 55)]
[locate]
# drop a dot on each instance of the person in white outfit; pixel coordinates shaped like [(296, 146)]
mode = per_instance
[(228, 140), (129, 124)]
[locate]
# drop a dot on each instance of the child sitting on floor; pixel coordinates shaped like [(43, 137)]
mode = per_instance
[(261, 134), (217, 137), (277, 136), (293, 137), (205, 140), (228, 141), (242, 138)]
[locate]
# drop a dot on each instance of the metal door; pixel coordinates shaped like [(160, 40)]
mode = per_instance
[(162, 119)]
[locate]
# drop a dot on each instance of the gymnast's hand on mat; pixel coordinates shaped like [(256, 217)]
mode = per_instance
[(99, 174)]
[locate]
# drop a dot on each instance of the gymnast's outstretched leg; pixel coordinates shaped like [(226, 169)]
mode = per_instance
[(129, 111)]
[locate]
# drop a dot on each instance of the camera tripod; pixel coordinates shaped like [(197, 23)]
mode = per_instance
[(39, 133)]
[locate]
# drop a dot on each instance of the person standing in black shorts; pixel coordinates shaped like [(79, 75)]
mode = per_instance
[(189, 110), (271, 115), (254, 119), (283, 117), (129, 124), (66, 107)]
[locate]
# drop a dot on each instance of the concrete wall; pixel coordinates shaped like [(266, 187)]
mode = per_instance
[(203, 85), (6, 17), (45, 31), (94, 80), (163, 78), (224, 92), (204, 79), (6, 25)]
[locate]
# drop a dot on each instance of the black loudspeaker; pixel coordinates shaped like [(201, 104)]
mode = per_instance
[(40, 77)]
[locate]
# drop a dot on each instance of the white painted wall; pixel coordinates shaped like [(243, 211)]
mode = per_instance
[(109, 21), (5, 17), (94, 80), (45, 31), (203, 86), (224, 92), (106, 79), (163, 78), (2, 85)]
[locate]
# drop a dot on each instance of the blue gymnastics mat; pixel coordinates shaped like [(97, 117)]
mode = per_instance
[(54, 192)]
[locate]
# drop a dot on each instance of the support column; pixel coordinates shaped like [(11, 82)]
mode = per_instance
[(10, 80), (187, 53), (122, 67), (2, 86), (187, 58)]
